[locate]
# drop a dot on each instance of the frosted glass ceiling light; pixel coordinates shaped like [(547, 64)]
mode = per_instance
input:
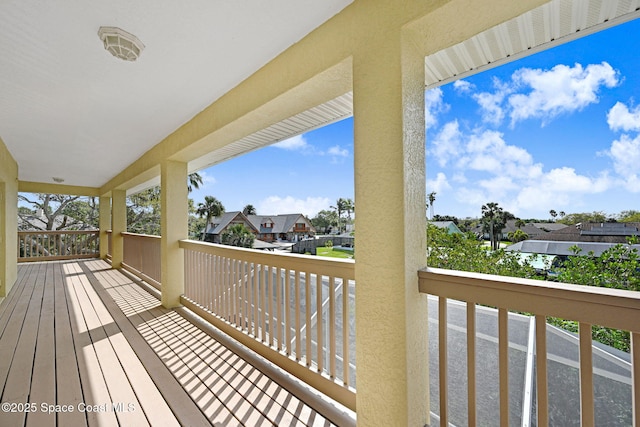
[(120, 43)]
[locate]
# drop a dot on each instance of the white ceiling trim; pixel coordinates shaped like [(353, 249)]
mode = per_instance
[(551, 24)]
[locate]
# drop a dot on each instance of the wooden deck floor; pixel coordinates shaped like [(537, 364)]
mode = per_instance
[(82, 344)]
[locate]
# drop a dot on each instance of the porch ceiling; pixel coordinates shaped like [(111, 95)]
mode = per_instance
[(68, 109)]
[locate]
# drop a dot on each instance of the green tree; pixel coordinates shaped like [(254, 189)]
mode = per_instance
[(349, 206), (466, 253), (431, 199), (325, 220), (238, 235), (194, 181), (57, 212), (453, 219), (617, 267), (342, 205), (249, 210), (629, 216), (494, 219), (211, 207), (517, 236), (595, 216), (143, 212)]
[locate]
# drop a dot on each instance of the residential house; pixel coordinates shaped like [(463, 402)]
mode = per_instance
[(218, 80), (594, 232), (450, 226), (283, 227), (267, 228), (219, 224)]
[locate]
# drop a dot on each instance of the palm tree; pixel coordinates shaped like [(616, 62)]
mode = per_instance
[(432, 198), (238, 235), (211, 207), (194, 180), (249, 210), (553, 214), (340, 207), (349, 207), (520, 223), (495, 220)]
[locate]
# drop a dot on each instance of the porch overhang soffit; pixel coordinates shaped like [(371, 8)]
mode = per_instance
[(309, 85)]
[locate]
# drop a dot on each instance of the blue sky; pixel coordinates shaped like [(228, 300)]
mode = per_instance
[(556, 130)]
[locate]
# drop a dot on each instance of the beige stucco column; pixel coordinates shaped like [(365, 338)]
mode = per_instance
[(391, 315), (104, 224), (173, 228), (118, 226), (8, 220)]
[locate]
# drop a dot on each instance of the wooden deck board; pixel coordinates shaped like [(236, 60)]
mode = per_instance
[(95, 390), (186, 412), (68, 385), (43, 386), (78, 332), (298, 412), (18, 382)]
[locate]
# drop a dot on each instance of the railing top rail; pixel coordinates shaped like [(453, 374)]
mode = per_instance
[(151, 236), (26, 232), (614, 308), (343, 268)]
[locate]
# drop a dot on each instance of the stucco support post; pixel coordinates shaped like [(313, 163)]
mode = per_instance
[(4, 254), (174, 226), (118, 226), (389, 151), (104, 224)]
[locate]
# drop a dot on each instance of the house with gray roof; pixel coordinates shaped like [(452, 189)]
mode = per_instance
[(285, 227), (534, 230), (219, 224), (267, 228), (561, 248), (594, 232)]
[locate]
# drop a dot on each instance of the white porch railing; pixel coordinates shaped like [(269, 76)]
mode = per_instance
[(295, 310), (589, 306), (57, 245)]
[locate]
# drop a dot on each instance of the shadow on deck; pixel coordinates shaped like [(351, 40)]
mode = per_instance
[(83, 344)]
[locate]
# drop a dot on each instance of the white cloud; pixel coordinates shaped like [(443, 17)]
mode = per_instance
[(336, 150), (487, 151), (625, 153), (545, 94), (560, 90), (558, 189), (566, 180), (275, 205), (337, 153), (433, 105), (207, 179), (621, 118), (487, 168), (298, 143), (491, 106), (447, 144), (463, 86), (439, 185)]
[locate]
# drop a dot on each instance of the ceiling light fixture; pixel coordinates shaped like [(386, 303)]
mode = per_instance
[(120, 44)]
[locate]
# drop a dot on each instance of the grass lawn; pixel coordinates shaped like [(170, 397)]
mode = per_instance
[(333, 253)]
